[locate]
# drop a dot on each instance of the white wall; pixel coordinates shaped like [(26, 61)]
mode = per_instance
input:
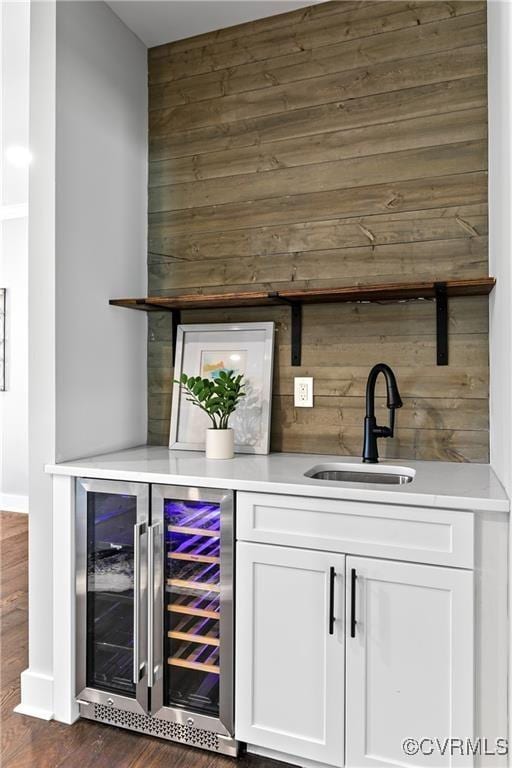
[(14, 18), (499, 28), (36, 682), (101, 231), (87, 243), (500, 235)]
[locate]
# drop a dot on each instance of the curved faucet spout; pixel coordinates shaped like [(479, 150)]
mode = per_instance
[(393, 400), (392, 394)]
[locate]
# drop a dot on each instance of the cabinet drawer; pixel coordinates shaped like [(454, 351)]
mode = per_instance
[(416, 534)]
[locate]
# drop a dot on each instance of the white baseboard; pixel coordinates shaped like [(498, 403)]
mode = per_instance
[(13, 502), (26, 709), (273, 754), (36, 695)]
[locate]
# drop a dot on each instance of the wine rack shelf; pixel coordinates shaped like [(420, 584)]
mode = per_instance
[(193, 531), (204, 639), (193, 558), (204, 586), (199, 666), (191, 611)]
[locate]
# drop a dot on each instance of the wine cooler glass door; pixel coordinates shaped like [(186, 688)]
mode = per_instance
[(112, 577), (191, 644)]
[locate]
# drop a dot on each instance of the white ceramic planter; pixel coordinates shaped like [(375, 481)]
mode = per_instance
[(220, 443)]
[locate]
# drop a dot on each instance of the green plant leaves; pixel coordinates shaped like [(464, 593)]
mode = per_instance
[(218, 397)]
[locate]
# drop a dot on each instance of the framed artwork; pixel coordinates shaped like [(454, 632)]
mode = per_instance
[(206, 350)]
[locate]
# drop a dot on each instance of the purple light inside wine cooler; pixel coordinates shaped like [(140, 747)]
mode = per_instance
[(193, 604)]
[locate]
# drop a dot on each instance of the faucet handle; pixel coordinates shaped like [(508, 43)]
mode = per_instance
[(383, 431), (387, 431)]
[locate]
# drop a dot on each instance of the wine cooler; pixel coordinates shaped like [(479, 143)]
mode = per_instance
[(154, 610)]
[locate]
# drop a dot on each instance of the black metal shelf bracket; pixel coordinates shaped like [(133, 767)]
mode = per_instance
[(441, 297), (441, 323), (296, 309), (296, 316)]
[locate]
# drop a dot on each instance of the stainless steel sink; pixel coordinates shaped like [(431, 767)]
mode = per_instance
[(350, 473)]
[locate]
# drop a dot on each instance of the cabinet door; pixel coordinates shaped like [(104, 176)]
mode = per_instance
[(290, 651), (111, 569), (409, 661), (191, 606)]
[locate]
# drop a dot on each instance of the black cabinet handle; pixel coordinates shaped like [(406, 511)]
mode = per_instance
[(353, 622), (332, 578)]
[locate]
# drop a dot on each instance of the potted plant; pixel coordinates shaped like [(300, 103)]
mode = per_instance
[(218, 398)]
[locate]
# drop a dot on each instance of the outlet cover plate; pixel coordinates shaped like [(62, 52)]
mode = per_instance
[(303, 391)]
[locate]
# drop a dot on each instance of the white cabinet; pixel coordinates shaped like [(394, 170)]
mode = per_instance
[(428, 655), (409, 670), (290, 656), (392, 531)]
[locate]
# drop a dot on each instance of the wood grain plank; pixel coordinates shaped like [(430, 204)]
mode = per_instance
[(365, 81), (455, 32), (424, 444), (332, 379), (340, 322), (380, 229), (353, 172), (367, 21), (348, 412), (347, 266), (394, 136), (458, 383), (246, 29), (380, 108), (409, 351), (446, 191), (416, 413)]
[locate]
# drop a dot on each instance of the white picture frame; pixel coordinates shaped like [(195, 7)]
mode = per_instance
[(204, 349)]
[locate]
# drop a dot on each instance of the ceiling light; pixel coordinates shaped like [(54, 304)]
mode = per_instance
[(18, 156)]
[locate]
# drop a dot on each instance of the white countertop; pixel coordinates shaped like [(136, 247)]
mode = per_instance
[(436, 484)]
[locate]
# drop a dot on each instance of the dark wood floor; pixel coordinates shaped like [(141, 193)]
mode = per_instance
[(30, 743)]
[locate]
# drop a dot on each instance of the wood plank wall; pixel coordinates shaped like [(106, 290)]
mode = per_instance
[(339, 144)]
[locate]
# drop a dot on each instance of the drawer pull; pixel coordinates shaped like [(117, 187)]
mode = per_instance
[(353, 622), (332, 581)]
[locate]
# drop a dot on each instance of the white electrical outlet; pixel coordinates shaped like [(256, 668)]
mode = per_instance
[(303, 391)]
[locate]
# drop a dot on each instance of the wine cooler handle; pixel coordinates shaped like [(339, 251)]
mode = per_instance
[(353, 622), (152, 576), (332, 582), (138, 530)]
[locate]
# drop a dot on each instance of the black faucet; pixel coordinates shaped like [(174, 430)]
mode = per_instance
[(371, 430)]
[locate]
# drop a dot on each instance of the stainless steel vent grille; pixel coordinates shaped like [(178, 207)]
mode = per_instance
[(164, 729)]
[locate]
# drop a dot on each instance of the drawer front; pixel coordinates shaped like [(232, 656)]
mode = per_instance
[(415, 534)]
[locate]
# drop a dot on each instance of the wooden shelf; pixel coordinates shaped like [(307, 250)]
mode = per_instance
[(191, 611), (202, 586), (191, 558), (372, 292), (204, 606), (189, 637), (213, 669), (190, 655), (196, 630), (440, 291), (193, 531)]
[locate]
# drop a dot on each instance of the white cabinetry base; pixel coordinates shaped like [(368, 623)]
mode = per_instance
[(36, 695), (273, 754), (64, 631)]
